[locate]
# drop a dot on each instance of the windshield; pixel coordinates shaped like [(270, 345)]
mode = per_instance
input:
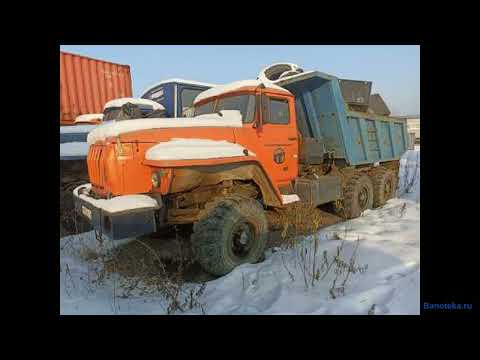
[(186, 97), (243, 103)]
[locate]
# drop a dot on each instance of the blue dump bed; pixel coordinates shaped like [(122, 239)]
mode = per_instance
[(358, 137)]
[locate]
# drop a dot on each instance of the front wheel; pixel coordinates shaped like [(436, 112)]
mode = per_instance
[(231, 233)]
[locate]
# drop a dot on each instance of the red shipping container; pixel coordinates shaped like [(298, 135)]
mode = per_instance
[(86, 84)]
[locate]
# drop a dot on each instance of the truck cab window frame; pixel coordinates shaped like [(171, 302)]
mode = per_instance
[(275, 106), (153, 94), (194, 92), (245, 103)]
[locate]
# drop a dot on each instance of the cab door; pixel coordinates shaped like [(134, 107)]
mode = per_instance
[(277, 136)]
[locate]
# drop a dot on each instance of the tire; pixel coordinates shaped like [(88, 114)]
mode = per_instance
[(232, 231), (384, 186), (357, 196)]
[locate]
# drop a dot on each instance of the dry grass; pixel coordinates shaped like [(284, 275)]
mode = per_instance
[(292, 224), (145, 267), (295, 220)]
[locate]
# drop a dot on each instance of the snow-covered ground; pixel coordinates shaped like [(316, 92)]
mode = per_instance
[(388, 250)]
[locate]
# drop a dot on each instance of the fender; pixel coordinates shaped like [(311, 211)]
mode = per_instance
[(188, 174)]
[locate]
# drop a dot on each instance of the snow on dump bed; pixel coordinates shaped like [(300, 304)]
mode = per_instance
[(223, 89), (118, 203), (74, 149), (229, 118), (137, 101), (389, 243), (195, 149)]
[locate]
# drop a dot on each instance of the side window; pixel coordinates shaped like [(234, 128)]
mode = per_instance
[(278, 112), (157, 95), (186, 98)]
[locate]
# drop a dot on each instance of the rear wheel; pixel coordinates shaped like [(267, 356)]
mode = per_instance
[(230, 233), (384, 186), (357, 196)]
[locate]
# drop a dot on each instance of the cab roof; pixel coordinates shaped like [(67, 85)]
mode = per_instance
[(176, 80), (234, 86)]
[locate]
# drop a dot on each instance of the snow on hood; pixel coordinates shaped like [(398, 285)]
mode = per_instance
[(195, 149), (137, 101), (88, 117), (223, 89), (230, 118)]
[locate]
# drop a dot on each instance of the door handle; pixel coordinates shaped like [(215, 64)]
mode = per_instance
[(292, 138)]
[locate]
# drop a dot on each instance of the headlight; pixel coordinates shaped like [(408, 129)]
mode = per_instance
[(155, 180)]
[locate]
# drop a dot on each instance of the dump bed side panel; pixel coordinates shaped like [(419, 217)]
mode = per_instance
[(376, 140)]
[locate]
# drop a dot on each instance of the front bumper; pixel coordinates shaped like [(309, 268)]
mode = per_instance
[(130, 219)]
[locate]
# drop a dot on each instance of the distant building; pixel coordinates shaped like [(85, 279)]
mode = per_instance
[(413, 125)]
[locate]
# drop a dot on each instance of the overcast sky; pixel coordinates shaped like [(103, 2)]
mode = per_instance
[(394, 70)]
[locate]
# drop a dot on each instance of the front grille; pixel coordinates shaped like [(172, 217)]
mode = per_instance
[(96, 171)]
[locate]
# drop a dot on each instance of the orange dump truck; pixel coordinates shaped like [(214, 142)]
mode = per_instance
[(251, 146)]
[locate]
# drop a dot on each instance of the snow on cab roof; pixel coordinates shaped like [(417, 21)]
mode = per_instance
[(88, 117), (223, 89), (137, 101), (176, 80)]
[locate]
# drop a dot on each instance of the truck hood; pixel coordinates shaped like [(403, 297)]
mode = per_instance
[(195, 149), (226, 119)]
